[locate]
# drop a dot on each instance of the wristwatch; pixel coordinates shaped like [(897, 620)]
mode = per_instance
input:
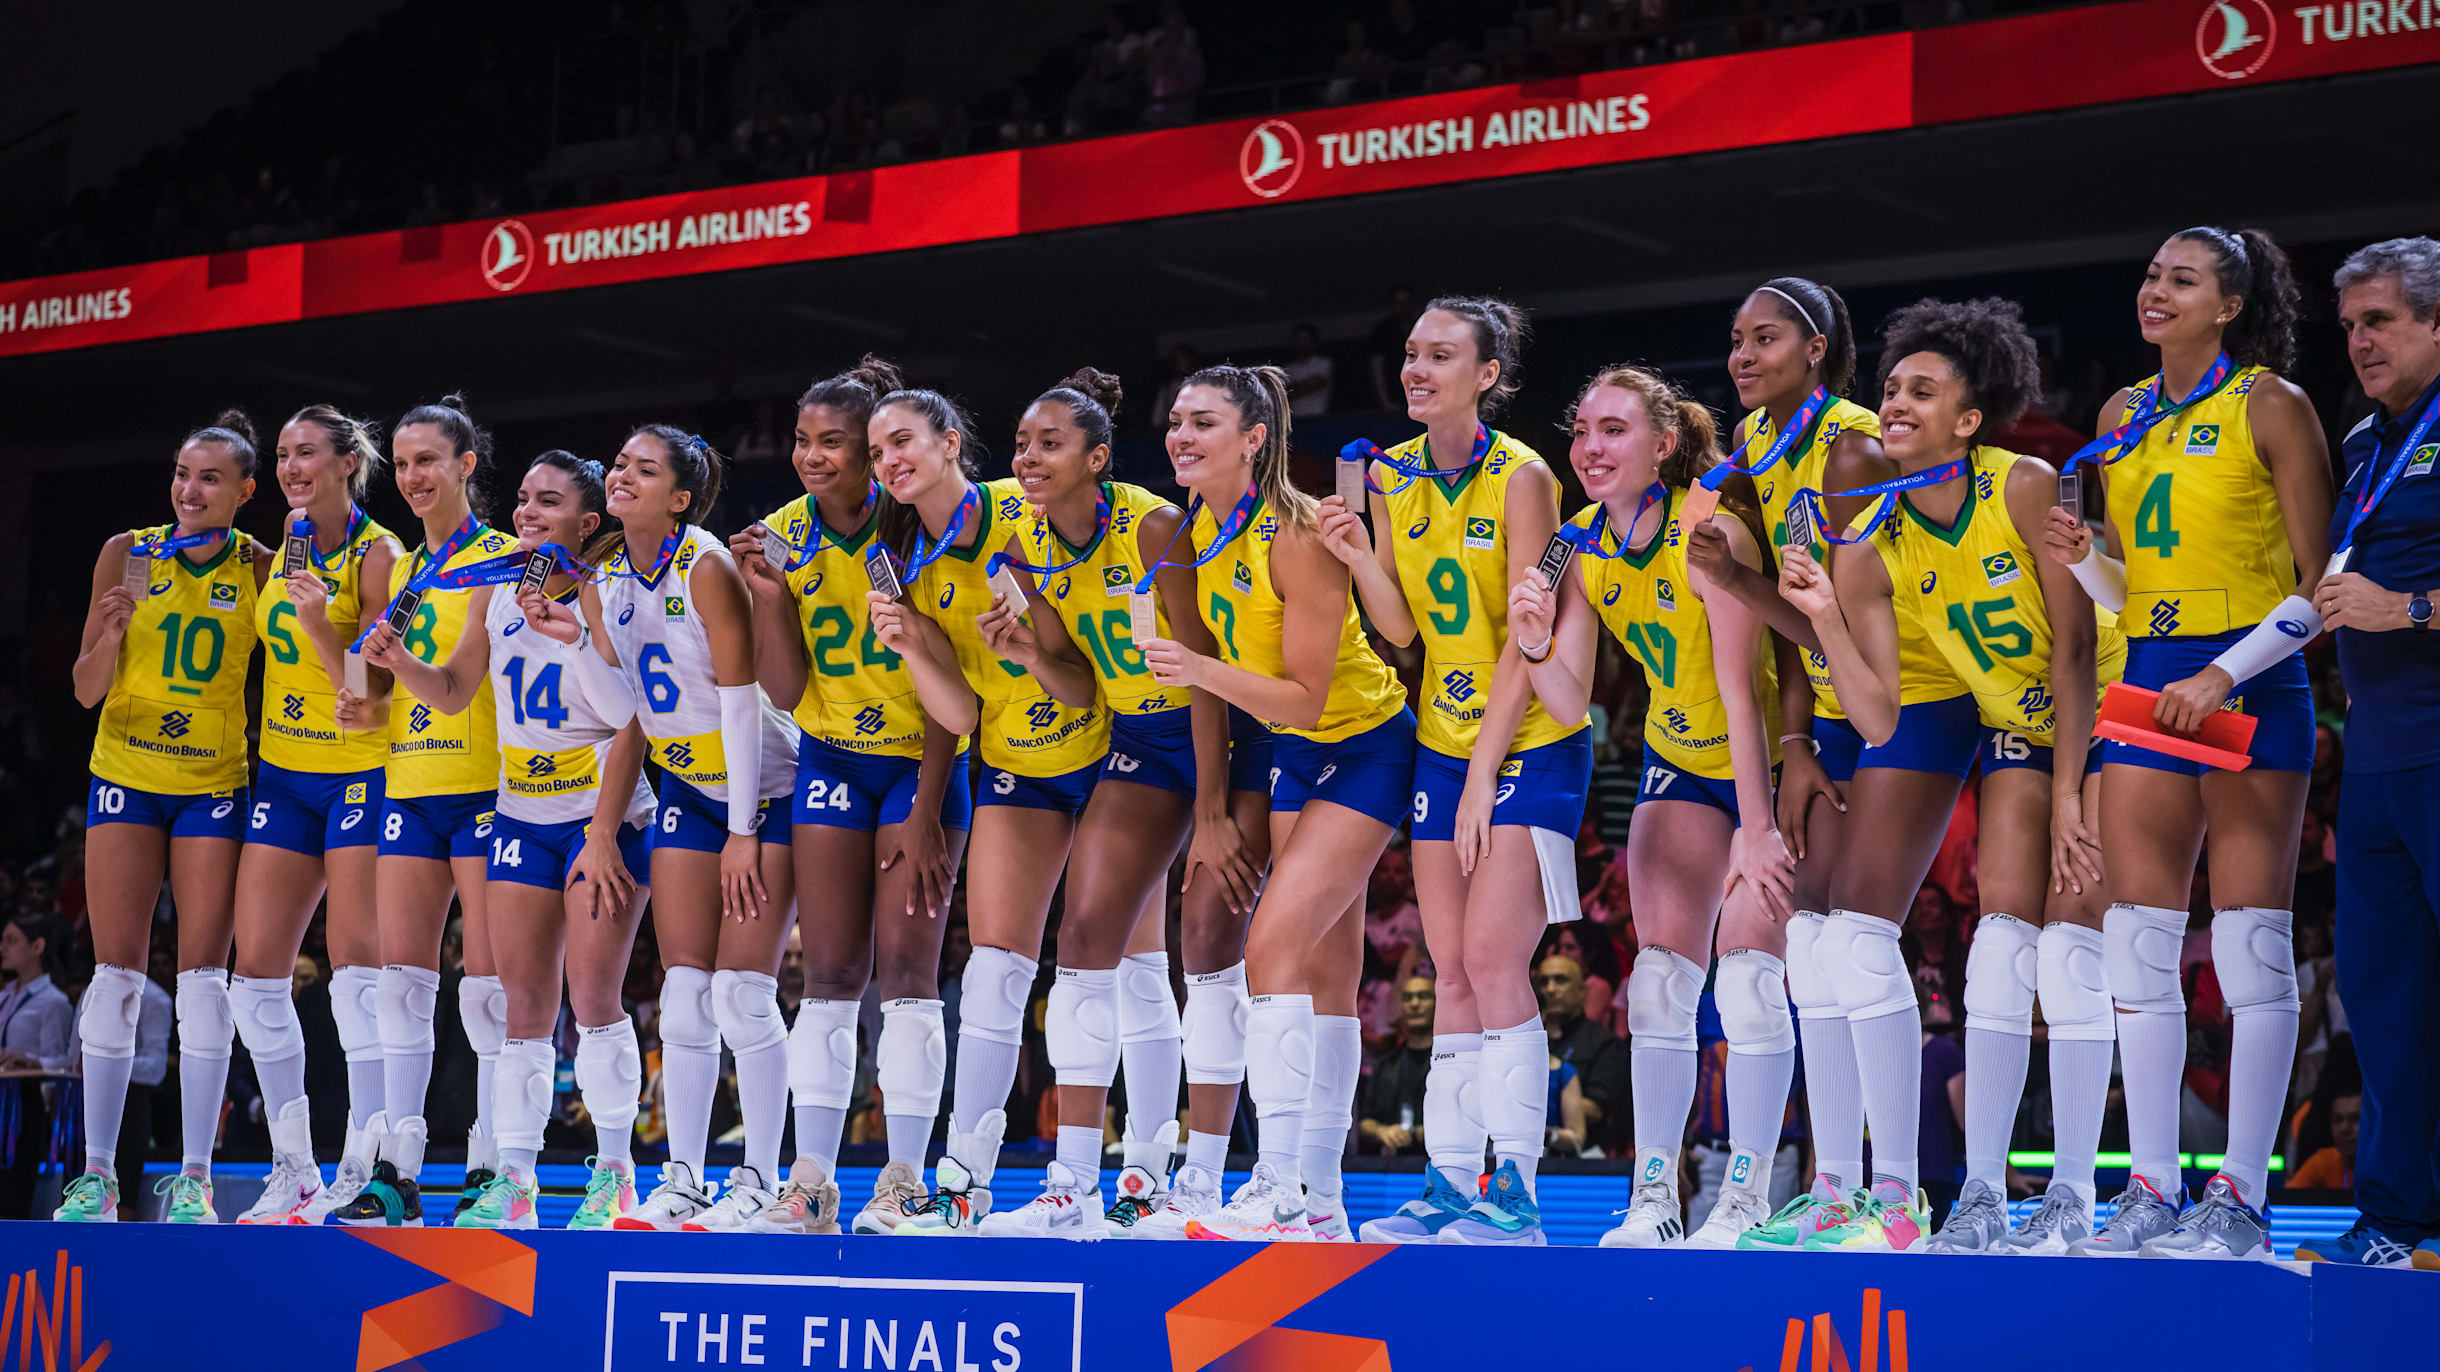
[(2419, 611)]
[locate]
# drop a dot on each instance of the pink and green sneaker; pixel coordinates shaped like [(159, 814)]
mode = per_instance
[(1890, 1220), (1822, 1207), (507, 1203), (609, 1193)]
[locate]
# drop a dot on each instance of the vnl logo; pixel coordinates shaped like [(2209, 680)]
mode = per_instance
[(2235, 37), (713, 1319), (1271, 158), (50, 1326), (508, 254)]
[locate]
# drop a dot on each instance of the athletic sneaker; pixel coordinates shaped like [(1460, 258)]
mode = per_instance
[(1978, 1221), (291, 1187), (91, 1198), (2362, 1246), (810, 1206), (1326, 1217), (507, 1203), (355, 1172), (2141, 1217), (2217, 1226), (1738, 1210), (1138, 1194), (1889, 1220), (679, 1198), (897, 1188), (388, 1201), (1653, 1218), (1193, 1194), (1064, 1210), (1264, 1208), (609, 1193), (2055, 1226), (190, 1199), (746, 1197), (1421, 1219), (1506, 1215), (1821, 1206), (951, 1210), (476, 1179)]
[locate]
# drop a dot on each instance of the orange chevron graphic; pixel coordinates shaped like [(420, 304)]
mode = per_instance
[(1830, 1354), (1233, 1317), (65, 1316), (485, 1270)]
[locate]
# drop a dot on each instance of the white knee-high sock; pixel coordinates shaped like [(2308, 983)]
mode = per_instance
[(1279, 1076), (207, 1034), (523, 1107), (690, 1062), (483, 1012), (610, 1075), (2076, 1005), (1515, 1087), (352, 992), (106, 1081), (1995, 1083), (1453, 1128), (404, 1002), (821, 1079), (1889, 1065), (2079, 1095), (1338, 1058), (1663, 991), (1834, 1099), (2142, 943), (995, 990), (909, 1063), (2254, 951), (1151, 1044)]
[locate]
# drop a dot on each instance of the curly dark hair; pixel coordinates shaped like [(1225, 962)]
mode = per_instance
[(2251, 264), (1985, 340)]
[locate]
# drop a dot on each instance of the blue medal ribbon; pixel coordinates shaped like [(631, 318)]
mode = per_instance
[(1234, 525), (1888, 493), (1365, 450), (1588, 539), (2149, 416), (1043, 533), (1800, 426), (421, 579), (927, 554), (508, 567), (173, 543), (2376, 490), (304, 527), (813, 545), (669, 549)]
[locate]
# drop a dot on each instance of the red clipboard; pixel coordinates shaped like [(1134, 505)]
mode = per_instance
[(2225, 740)]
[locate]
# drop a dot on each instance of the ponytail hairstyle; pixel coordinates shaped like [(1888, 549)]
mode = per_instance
[(857, 391), (2250, 264), (233, 430), (1697, 450), (697, 465), (450, 416), (585, 475), (1261, 397), (1500, 335), (348, 436), (1822, 313), (1985, 340), (899, 522), (1093, 398)]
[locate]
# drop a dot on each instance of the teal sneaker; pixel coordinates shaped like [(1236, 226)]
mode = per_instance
[(1889, 1220), (1822, 1207), (609, 1193), (1505, 1215), (1421, 1219), (190, 1199), (91, 1198), (388, 1201), (508, 1203)]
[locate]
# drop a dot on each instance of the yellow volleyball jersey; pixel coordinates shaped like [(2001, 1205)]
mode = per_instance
[(174, 721), (1977, 598), (1808, 468), (858, 695), (300, 729), (433, 754), (1647, 601), (1092, 597), (2198, 519), (1450, 538), (1023, 730), (1246, 615)]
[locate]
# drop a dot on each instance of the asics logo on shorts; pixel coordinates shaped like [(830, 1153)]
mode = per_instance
[(869, 720), (679, 755), (175, 723), (1041, 714), (419, 719), (2164, 616), (1460, 685), (292, 707), (1120, 762), (1327, 773)]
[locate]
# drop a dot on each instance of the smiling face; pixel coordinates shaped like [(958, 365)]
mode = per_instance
[(643, 483), (1445, 374), (911, 457), (1210, 445), (551, 509), (1616, 448), (2181, 303), (1051, 460), (2395, 355), (833, 455), (1770, 355), (311, 468), (1925, 411), (431, 473), (205, 488)]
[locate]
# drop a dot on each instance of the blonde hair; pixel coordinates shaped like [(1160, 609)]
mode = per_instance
[(1261, 397), (346, 435)]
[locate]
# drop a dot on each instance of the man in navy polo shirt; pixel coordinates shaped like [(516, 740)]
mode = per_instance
[(2380, 606)]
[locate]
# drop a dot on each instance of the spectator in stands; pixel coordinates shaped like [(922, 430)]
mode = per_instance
[(34, 1041), (1309, 371), (1600, 1058), (1588, 946), (1173, 68), (1390, 1119), (2333, 1168)]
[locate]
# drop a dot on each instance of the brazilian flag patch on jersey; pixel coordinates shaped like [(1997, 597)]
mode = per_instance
[(1664, 594), (1242, 579), (674, 606), (1481, 532), (1117, 580), (224, 596), (2425, 456), (2203, 440), (2001, 568)]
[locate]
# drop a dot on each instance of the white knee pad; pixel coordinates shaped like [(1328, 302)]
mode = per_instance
[(1812, 992), (911, 1058), (1752, 994), (1279, 1052), (1662, 992), (2003, 966), (1513, 1086), (521, 1092), (686, 1011), (1147, 1009), (1081, 1027), (610, 1072), (996, 987), (107, 1021), (351, 1007), (822, 1053), (205, 1029), (2254, 952), (265, 1009), (2075, 989), (404, 1004), (483, 1010), (2139, 948), (746, 1004), (1214, 1026), (1860, 955)]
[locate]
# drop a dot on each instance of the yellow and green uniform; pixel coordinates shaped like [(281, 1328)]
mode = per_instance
[(300, 727), (174, 721), (1092, 597), (1449, 535), (1976, 596), (858, 696), (2198, 519), (1246, 615), (431, 753)]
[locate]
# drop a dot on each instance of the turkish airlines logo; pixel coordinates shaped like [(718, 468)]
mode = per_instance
[(1271, 158), (2235, 37), (508, 254)]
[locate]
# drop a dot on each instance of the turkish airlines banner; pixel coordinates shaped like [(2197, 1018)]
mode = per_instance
[(2068, 58)]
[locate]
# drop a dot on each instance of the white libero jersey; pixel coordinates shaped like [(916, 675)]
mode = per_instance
[(658, 635), (552, 741)]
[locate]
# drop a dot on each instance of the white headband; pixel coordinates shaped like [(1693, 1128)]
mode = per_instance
[(1801, 312)]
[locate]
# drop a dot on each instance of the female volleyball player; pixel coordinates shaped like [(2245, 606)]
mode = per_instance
[(1499, 780), (2031, 649), (318, 796), (1703, 852), (1292, 654), (569, 835), (167, 636), (444, 771), (2218, 478), (881, 807)]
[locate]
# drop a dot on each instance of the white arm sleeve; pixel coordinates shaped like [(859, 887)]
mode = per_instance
[(606, 686), (2288, 627), (741, 742), (2103, 578)]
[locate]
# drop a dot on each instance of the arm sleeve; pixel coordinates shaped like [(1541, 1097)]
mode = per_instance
[(608, 687), (741, 710), (2287, 628), (2103, 578)]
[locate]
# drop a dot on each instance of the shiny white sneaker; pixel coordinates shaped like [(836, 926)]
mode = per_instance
[(355, 1169), (951, 1211), (1652, 1219), (898, 1187), (1265, 1208), (291, 1188), (1064, 1210), (680, 1197), (749, 1192), (1737, 1210), (1193, 1194)]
